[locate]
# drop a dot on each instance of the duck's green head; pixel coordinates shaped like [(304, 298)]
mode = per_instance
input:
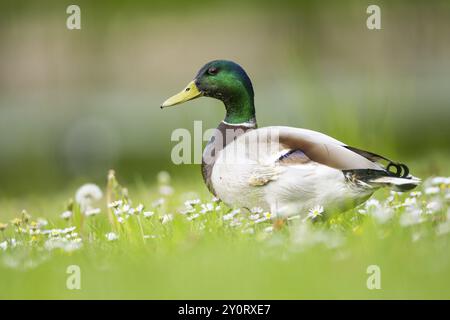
[(223, 80)]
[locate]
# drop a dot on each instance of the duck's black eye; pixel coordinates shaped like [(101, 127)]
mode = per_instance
[(213, 71)]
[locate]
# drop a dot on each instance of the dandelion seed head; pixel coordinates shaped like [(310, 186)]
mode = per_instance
[(87, 194), (163, 177)]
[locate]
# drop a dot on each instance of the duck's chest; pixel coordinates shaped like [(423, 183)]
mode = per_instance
[(221, 137)]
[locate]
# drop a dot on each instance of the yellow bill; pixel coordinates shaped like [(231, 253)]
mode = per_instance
[(190, 92)]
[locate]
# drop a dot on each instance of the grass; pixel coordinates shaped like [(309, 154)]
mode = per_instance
[(205, 252)]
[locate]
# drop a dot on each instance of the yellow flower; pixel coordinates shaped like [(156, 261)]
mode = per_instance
[(34, 225), (25, 216), (16, 221)]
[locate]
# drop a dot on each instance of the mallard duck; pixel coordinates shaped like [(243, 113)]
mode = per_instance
[(284, 170)]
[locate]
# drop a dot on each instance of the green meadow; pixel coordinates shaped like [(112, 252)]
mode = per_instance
[(171, 242)]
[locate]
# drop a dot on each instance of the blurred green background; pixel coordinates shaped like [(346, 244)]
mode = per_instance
[(74, 103)]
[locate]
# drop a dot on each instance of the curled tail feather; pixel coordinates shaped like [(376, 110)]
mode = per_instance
[(396, 183)]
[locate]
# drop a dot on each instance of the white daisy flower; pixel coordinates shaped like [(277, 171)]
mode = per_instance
[(416, 194), (206, 207), (66, 215), (411, 217), (4, 245), (166, 218), (215, 199), (439, 180), (433, 206), (41, 222), (410, 202), (315, 212), (432, 190), (248, 231), (158, 203), (115, 204), (382, 214), (227, 217), (230, 215), (120, 220), (192, 217), (140, 207), (148, 214), (111, 236), (87, 194), (33, 232), (362, 211), (256, 210), (191, 203), (261, 220), (372, 203), (187, 211), (235, 223), (67, 230), (92, 212), (268, 229)]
